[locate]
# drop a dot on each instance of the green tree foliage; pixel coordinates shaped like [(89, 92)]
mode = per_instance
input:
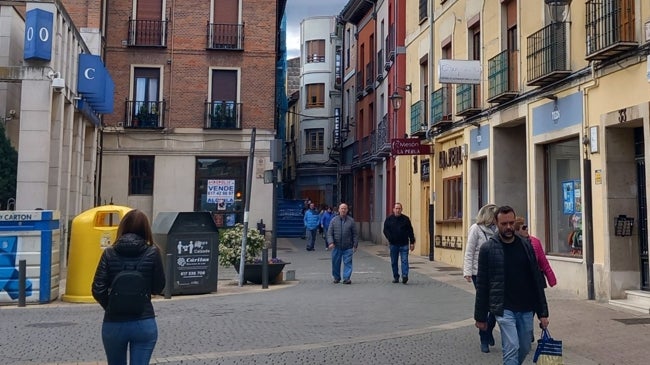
[(8, 169)]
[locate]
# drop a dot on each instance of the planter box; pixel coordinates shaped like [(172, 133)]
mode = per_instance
[(253, 273)]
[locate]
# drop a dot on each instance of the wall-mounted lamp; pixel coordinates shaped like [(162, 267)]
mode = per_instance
[(557, 10), (396, 98)]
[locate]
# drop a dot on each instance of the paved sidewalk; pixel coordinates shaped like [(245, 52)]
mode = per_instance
[(592, 333)]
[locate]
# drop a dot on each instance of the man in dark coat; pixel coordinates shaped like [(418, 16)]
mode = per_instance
[(399, 233), (511, 287)]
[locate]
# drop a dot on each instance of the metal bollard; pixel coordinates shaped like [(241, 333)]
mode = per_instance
[(22, 282), (265, 268), (169, 279)]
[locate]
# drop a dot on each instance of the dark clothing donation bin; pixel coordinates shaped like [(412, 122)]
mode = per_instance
[(192, 239)]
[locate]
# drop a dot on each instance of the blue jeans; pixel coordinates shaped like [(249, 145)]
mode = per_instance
[(139, 336), (403, 253), (516, 332), (339, 255), (311, 238)]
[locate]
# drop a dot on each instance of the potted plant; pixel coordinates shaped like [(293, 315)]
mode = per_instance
[(230, 253)]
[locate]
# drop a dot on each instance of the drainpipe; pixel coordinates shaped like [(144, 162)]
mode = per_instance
[(588, 232)]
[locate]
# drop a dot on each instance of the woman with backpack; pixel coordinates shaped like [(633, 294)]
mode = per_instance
[(128, 273)]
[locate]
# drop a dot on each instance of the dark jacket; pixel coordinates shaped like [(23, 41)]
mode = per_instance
[(343, 233), (490, 280), (128, 248), (398, 230)]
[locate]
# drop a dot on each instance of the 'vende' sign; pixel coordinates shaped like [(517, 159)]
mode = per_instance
[(409, 146)]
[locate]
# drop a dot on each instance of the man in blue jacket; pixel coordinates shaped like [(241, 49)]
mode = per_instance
[(311, 220), (510, 285), (399, 233), (343, 240)]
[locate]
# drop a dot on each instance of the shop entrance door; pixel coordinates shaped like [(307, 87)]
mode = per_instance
[(639, 156)]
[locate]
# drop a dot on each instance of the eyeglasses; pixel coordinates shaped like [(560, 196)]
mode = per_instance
[(524, 227)]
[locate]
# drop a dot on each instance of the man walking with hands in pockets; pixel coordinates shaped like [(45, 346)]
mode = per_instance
[(399, 233), (342, 239)]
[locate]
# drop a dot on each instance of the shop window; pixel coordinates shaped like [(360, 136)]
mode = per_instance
[(220, 187), (564, 200), (141, 175), (453, 198)]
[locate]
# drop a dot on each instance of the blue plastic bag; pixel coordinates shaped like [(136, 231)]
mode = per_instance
[(549, 350)]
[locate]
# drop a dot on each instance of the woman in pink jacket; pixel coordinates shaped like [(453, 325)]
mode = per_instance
[(522, 229)]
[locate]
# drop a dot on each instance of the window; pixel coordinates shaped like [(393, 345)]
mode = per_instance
[(223, 109), (453, 198), (315, 51), (314, 139), (564, 197), (141, 175), (226, 31), (315, 96), (146, 106), (423, 10), (226, 205), (148, 28), (448, 102)]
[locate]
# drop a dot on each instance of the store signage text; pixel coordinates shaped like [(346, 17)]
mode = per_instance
[(452, 157)]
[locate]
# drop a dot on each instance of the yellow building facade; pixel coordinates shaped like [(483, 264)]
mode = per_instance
[(554, 126)]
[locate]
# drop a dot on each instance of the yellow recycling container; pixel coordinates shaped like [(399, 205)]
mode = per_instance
[(91, 232)]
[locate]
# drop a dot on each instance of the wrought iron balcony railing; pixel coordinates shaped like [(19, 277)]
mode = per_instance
[(370, 77), (468, 100), (390, 44), (143, 114), (222, 114), (360, 84), (501, 85), (147, 33), (418, 124), (383, 137), (226, 36), (610, 28), (548, 54)]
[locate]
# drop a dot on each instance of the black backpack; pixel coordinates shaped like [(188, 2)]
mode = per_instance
[(129, 292)]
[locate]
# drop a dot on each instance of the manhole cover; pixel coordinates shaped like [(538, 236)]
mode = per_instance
[(51, 324), (634, 320)]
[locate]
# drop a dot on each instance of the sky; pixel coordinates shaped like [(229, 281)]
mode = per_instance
[(297, 10)]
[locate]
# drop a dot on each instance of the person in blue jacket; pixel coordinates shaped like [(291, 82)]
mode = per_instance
[(325, 219), (311, 221)]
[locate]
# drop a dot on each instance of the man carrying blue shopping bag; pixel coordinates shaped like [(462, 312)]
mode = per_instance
[(549, 350)]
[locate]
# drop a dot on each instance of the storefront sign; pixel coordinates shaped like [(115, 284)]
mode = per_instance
[(452, 157), (409, 146)]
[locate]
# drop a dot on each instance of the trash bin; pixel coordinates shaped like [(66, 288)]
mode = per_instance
[(90, 233), (33, 236), (192, 238)]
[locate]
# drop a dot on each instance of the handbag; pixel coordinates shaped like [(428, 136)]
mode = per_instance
[(549, 350)]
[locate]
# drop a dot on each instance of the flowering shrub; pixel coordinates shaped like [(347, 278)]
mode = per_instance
[(271, 261), (230, 245)]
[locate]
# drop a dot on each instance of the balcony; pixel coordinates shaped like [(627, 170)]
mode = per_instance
[(147, 33), (418, 124), (360, 82), (441, 106), (501, 80), (380, 65), (390, 44), (548, 55), (468, 100), (225, 37), (370, 77), (383, 137), (144, 114), (610, 28), (222, 115)]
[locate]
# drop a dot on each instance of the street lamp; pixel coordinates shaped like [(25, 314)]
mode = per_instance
[(396, 98)]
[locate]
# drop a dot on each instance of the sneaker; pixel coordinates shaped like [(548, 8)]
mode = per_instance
[(396, 280), (485, 348), (405, 279), (336, 281), (347, 281)]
